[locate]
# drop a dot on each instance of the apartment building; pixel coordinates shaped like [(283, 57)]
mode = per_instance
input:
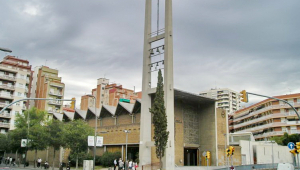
[(227, 99), (268, 118), (15, 83), (108, 94), (47, 84)]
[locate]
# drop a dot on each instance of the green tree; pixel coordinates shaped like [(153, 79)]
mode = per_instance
[(286, 138), (75, 137), (33, 122), (55, 130), (160, 120), (38, 139), (4, 142)]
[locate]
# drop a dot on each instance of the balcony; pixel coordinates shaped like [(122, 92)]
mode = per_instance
[(7, 96), (57, 85), (5, 77), (276, 133), (14, 68), (262, 127), (4, 125), (263, 118), (53, 102), (5, 115), (53, 111), (254, 113), (7, 87), (56, 94), (4, 104)]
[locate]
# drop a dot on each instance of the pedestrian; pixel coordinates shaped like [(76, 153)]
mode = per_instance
[(13, 161), (121, 165), (46, 165), (10, 160), (39, 161), (7, 160), (130, 164), (115, 164)]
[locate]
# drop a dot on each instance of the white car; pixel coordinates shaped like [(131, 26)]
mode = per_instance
[(285, 166)]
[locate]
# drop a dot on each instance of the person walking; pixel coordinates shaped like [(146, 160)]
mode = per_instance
[(121, 165), (10, 161), (130, 164), (115, 164)]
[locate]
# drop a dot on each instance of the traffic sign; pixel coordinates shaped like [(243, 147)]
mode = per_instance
[(291, 145)]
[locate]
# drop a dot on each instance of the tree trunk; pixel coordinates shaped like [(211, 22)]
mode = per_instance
[(76, 161), (16, 157), (53, 158), (160, 162), (34, 162)]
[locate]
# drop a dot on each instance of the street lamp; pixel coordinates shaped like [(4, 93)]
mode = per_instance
[(5, 50), (95, 136), (126, 131)]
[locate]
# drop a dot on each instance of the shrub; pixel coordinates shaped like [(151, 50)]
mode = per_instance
[(107, 159)]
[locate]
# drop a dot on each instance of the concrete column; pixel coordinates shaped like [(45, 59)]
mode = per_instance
[(122, 152), (145, 126), (168, 160)]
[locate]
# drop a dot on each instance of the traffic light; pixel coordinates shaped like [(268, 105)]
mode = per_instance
[(73, 103), (293, 151), (227, 152), (208, 154), (231, 149), (298, 147), (244, 96)]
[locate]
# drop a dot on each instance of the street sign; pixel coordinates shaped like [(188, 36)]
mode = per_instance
[(24, 143), (291, 145), (99, 141)]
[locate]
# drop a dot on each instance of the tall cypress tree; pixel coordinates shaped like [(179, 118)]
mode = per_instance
[(160, 119)]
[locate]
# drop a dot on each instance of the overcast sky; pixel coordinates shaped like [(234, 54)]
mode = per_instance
[(252, 45)]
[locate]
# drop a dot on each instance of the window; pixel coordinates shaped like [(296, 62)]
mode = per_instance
[(102, 88), (21, 85), (1, 73), (18, 103), (10, 75), (22, 76), (102, 95), (19, 94), (17, 112)]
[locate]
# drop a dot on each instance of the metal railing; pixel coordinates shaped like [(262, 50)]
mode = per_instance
[(5, 86), (2, 124), (14, 68), (7, 77), (55, 102), (56, 94), (7, 115), (6, 95)]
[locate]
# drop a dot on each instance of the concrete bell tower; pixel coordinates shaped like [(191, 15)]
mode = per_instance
[(159, 41)]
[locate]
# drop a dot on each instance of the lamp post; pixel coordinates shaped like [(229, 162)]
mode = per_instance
[(126, 131), (5, 50), (95, 136)]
